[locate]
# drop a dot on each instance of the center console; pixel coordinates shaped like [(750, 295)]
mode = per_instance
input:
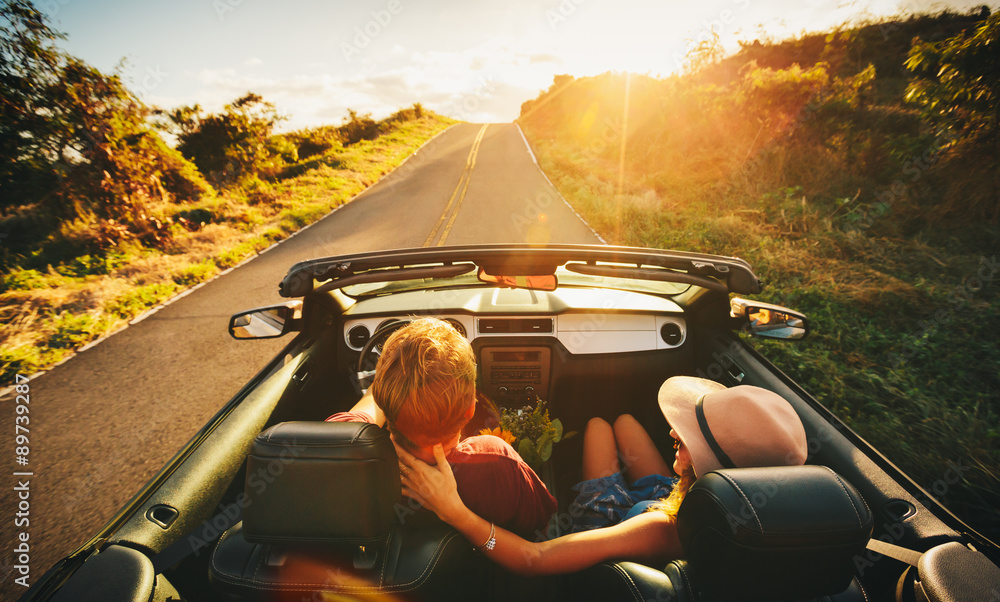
[(515, 376)]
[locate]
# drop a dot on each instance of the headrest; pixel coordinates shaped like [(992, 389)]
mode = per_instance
[(321, 482), (773, 533)]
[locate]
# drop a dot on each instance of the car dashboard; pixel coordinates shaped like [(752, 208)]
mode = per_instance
[(526, 340)]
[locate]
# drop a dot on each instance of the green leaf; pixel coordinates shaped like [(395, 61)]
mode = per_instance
[(544, 450), (557, 425), (527, 450)]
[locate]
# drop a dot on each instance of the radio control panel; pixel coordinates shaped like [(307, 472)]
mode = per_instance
[(514, 376)]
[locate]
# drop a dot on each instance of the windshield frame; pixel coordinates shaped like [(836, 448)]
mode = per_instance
[(438, 267)]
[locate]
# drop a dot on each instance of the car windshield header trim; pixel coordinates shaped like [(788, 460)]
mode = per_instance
[(712, 271)]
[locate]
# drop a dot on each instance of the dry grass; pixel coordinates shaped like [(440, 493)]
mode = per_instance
[(893, 352), (47, 315)]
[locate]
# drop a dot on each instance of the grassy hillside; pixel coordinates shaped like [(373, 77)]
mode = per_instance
[(66, 286), (102, 219), (862, 187)]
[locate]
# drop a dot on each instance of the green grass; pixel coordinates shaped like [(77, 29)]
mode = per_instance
[(61, 298), (137, 300), (870, 299)]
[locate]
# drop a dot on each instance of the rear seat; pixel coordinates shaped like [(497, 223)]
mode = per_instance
[(787, 533), (331, 523)]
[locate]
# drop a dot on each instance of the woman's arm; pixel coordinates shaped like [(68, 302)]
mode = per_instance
[(650, 536)]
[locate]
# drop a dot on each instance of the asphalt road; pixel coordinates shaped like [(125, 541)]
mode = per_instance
[(104, 422)]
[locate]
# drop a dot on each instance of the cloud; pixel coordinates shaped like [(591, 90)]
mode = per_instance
[(543, 58), (484, 83), (253, 61)]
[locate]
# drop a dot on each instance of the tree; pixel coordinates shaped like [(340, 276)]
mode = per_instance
[(958, 80), (30, 131), (231, 146), (958, 88), (75, 142)]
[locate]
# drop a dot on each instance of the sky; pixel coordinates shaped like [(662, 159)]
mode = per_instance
[(472, 60)]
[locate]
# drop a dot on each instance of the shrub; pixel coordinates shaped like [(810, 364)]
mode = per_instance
[(139, 299), (233, 145), (19, 279), (73, 331), (196, 273), (358, 127)]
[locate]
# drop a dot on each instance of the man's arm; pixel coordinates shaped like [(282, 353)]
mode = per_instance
[(367, 405)]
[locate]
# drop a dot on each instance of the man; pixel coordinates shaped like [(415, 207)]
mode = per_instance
[(425, 392)]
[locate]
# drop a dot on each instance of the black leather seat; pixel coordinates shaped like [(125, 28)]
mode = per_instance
[(788, 533), (324, 518)]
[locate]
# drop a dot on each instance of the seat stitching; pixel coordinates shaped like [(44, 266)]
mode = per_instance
[(636, 594), (429, 569), (215, 550), (260, 561), (849, 496), (687, 582), (354, 443), (385, 558), (752, 509), (349, 588)]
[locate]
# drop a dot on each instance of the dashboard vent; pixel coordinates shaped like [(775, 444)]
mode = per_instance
[(515, 325), (671, 334), (357, 336)]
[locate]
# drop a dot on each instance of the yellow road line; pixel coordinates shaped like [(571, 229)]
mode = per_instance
[(463, 185)]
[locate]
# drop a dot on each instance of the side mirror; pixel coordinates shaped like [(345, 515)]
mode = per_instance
[(768, 321), (266, 322)]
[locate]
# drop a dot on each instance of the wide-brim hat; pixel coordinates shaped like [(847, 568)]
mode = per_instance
[(740, 427)]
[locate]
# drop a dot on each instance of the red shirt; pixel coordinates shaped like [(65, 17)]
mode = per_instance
[(493, 481)]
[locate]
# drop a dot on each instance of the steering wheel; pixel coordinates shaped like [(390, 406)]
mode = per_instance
[(372, 350)]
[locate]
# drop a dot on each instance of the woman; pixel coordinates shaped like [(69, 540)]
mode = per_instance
[(611, 492), (714, 427)]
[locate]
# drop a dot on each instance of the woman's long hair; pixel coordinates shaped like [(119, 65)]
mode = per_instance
[(672, 503)]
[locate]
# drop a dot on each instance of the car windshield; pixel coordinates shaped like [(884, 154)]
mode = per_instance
[(565, 277)]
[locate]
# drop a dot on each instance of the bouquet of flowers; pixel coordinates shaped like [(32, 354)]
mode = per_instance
[(530, 431)]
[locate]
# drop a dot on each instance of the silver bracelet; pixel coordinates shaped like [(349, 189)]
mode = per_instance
[(491, 541)]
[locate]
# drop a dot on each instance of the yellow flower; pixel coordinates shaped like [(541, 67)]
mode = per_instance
[(499, 432)]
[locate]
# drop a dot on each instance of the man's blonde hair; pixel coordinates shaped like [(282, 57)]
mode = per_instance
[(425, 382)]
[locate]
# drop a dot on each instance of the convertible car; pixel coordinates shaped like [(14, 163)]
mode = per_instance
[(269, 502)]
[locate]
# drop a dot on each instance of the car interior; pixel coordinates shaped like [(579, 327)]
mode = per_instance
[(272, 503)]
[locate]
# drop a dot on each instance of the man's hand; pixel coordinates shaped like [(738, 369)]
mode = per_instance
[(433, 486)]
